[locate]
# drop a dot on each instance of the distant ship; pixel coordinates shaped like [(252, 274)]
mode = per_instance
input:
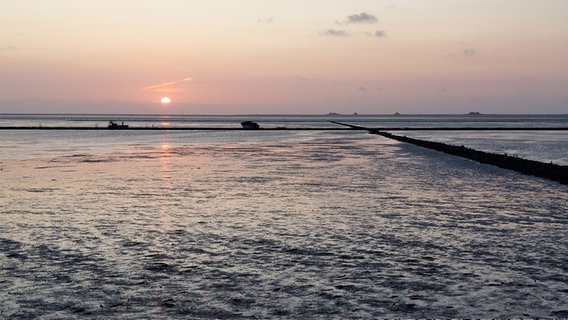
[(114, 125)]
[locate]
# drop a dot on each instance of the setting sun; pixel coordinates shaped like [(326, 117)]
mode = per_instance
[(166, 100)]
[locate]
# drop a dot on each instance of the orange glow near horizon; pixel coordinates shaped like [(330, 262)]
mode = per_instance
[(282, 57)]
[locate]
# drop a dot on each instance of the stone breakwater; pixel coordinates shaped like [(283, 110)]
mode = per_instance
[(549, 171), (535, 168)]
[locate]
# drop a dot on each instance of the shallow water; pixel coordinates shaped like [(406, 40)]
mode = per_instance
[(318, 225), (543, 146)]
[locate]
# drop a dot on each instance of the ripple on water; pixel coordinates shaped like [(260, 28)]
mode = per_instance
[(341, 226)]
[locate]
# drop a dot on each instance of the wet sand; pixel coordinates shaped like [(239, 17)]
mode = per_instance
[(340, 226)]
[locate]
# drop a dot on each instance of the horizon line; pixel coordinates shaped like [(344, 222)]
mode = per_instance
[(331, 114)]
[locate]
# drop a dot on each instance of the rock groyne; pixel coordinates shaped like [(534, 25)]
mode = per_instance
[(549, 171)]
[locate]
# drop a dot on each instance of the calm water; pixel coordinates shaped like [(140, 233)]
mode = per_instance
[(278, 224), (544, 146)]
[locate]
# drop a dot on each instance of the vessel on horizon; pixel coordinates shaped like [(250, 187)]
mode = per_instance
[(116, 125)]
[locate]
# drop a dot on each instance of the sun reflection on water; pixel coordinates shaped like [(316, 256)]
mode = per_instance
[(166, 184)]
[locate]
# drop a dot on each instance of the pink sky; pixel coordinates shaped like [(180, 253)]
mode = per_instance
[(255, 56)]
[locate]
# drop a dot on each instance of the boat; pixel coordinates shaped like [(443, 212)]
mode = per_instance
[(250, 125), (116, 125)]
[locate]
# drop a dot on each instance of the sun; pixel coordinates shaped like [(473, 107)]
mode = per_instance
[(166, 100)]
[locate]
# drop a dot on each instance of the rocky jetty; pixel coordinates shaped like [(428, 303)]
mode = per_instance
[(539, 169)]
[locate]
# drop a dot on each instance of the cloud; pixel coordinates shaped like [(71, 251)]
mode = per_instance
[(337, 33), (362, 17), (362, 88), (376, 34), (469, 52), (395, 7), (466, 53), (167, 84), (380, 34), (265, 20)]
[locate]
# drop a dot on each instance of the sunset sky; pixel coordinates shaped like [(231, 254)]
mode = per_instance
[(284, 56)]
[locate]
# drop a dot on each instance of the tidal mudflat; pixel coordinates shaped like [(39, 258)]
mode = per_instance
[(320, 225)]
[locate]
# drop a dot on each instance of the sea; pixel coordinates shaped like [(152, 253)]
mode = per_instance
[(279, 224)]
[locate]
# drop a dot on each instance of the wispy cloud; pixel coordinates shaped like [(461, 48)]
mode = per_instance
[(8, 48), (167, 84), (337, 33), (377, 34), (265, 20), (362, 17), (469, 52), (466, 53)]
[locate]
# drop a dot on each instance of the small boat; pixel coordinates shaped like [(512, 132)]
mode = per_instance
[(250, 125), (115, 125)]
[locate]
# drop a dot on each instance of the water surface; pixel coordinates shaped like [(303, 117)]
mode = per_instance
[(272, 225)]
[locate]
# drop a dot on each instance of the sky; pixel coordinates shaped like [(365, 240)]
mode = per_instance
[(284, 56)]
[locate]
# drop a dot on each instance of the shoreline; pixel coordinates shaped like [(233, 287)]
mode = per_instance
[(347, 128)]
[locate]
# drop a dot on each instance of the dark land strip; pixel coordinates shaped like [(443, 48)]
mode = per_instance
[(173, 129), (345, 128), (548, 171)]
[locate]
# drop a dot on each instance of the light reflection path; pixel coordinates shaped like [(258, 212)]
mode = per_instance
[(166, 172)]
